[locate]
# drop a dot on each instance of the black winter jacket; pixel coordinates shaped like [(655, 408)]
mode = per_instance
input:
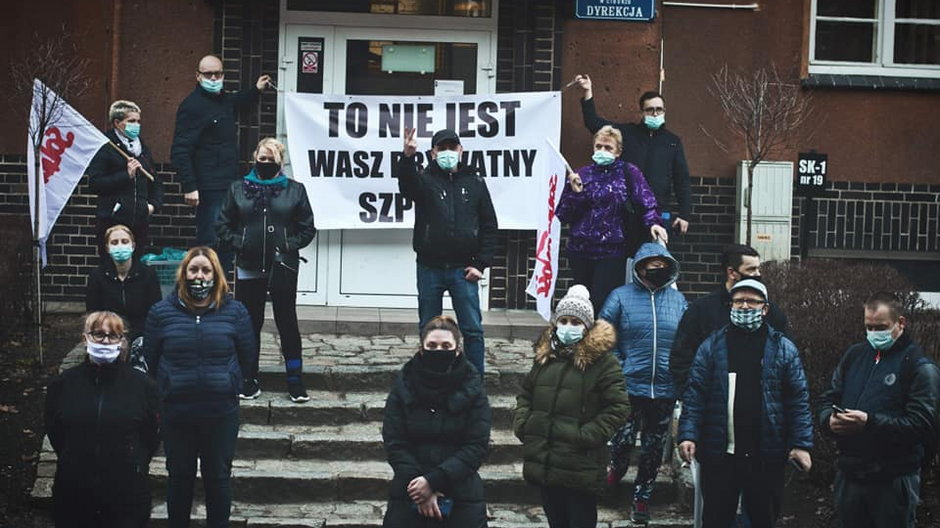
[(266, 224), (658, 154), (441, 437), (707, 314), (902, 413), (205, 146), (199, 359), (107, 177), (102, 422), (455, 223), (130, 298)]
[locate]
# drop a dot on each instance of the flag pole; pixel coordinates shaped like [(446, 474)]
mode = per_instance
[(119, 149), (37, 252)]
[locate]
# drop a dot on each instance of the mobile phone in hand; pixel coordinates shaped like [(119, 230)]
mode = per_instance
[(838, 409), (796, 464)]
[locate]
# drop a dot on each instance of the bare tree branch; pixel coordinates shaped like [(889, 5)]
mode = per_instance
[(764, 110), (57, 63)]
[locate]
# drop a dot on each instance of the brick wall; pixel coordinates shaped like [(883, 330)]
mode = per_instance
[(851, 216), (877, 218)]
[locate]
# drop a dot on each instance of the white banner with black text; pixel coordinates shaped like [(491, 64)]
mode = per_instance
[(343, 149)]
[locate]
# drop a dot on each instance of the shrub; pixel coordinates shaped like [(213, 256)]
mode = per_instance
[(15, 272), (823, 300)]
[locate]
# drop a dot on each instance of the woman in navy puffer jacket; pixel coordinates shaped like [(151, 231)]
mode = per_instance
[(198, 343), (645, 313)]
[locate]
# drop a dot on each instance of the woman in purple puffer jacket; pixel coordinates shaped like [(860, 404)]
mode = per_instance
[(594, 204)]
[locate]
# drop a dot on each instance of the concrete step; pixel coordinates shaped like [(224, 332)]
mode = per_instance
[(369, 514), (270, 481), (508, 324), (360, 378), (332, 408), (354, 441)]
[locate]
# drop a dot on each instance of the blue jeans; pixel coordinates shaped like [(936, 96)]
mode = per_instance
[(432, 283), (207, 212), (212, 441)]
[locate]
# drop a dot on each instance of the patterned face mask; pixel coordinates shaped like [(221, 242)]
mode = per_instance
[(199, 289), (748, 319)]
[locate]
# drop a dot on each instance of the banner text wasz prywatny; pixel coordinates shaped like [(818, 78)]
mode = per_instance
[(345, 149)]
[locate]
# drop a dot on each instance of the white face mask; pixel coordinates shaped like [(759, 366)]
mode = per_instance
[(101, 354)]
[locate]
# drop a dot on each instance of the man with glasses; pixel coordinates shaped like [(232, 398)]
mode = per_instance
[(710, 312), (654, 149), (746, 413), (205, 146)]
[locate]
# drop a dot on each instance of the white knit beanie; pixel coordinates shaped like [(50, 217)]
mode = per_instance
[(576, 303)]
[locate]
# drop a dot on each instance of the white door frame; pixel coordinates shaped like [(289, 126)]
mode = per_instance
[(324, 286)]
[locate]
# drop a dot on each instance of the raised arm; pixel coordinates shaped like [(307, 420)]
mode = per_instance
[(408, 182), (592, 121)]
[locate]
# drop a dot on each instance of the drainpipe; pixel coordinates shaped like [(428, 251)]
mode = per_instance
[(752, 7), (115, 49)]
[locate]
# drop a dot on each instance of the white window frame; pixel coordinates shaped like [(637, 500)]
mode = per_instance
[(883, 63)]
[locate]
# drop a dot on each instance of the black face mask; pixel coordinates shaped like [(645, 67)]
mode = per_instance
[(267, 169), (438, 360), (658, 277)]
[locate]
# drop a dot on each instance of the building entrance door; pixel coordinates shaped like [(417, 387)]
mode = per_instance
[(374, 268)]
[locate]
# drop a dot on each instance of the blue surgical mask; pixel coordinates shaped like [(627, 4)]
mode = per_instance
[(748, 319), (132, 130), (211, 85), (602, 157), (881, 339), (121, 253), (569, 334), (654, 122), (447, 159)]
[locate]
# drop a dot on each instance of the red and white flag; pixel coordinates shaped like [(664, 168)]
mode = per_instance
[(548, 237), (68, 144)]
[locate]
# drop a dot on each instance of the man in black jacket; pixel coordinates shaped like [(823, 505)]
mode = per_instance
[(711, 312), (881, 408), (454, 234), (205, 146), (655, 150)]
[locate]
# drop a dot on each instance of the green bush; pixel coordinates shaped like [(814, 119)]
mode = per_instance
[(823, 300)]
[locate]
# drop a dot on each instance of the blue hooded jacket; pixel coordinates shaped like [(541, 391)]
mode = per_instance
[(786, 422), (646, 321)]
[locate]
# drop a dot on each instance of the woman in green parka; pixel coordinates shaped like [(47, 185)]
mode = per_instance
[(572, 401)]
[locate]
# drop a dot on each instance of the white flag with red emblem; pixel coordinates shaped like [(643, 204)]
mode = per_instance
[(68, 143), (548, 237)]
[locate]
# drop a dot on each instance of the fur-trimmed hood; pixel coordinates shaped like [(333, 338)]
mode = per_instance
[(599, 340)]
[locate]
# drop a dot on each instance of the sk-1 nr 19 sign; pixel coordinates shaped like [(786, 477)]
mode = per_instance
[(615, 9), (811, 173)]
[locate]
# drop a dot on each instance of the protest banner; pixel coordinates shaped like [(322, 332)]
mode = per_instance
[(344, 149), (548, 237)]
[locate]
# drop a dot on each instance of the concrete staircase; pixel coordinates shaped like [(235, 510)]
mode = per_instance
[(323, 464)]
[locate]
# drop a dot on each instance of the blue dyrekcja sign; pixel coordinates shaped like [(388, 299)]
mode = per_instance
[(635, 10)]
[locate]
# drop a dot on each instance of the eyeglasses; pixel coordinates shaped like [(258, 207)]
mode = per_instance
[(103, 337), (212, 74), (654, 110), (738, 303)]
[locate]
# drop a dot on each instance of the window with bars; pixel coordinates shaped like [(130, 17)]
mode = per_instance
[(876, 37)]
